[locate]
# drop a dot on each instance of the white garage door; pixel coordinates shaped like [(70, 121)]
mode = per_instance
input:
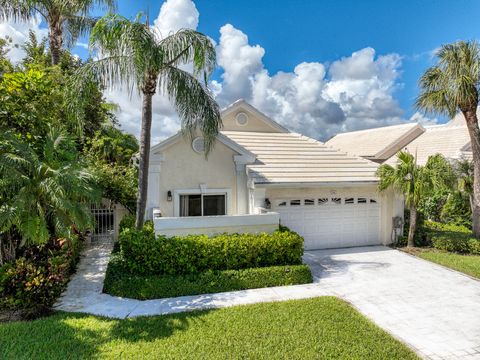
[(332, 222)]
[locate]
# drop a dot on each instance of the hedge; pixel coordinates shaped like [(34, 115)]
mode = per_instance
[(120, 282), (146, 254), (452, 238)]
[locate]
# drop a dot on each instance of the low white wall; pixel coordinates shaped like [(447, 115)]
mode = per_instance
[(213, 225)]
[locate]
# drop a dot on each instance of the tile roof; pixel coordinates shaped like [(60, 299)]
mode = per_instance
[(375, 143), (294, 158), (440, 139)]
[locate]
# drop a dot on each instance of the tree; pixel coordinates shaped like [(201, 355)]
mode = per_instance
[(414, 182), (66, 19), (43, 193), (134, 55), (453, 85)]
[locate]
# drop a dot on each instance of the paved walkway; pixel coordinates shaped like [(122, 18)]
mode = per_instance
[(432, 309)]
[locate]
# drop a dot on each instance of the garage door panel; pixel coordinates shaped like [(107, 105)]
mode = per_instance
[(330, 223)]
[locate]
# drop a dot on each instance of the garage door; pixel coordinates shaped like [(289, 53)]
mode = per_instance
[(332, 222)]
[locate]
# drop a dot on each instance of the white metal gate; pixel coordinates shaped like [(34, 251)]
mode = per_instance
[(104, 224)]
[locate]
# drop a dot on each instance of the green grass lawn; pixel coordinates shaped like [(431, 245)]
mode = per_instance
[(319, 328), (120, 282), (468, 264)]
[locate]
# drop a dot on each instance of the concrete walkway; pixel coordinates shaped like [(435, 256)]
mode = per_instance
[(434, 310)]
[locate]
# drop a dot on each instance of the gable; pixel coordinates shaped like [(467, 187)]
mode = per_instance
[(241, 116)]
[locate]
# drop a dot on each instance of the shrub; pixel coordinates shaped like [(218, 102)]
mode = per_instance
[(120, 282), (33, 282), (146, 254), (127, 222), (452, 238)]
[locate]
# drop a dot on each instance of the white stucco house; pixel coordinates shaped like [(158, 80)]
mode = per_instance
[(259, 174)]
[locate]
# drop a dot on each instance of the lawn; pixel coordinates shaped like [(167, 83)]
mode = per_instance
[(319, 328), (468, 264), (120, 282)]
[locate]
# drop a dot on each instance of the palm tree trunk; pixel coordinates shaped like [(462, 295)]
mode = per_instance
[(148, 92), (55, 40), (474, 131), (413, 226)]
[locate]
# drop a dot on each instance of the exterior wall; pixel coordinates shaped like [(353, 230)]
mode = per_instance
[(390, 204), (213, 225), (253, 124), (178, 167)]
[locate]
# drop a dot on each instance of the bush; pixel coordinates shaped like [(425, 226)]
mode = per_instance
[(452, 238), (146, 254), (120, 282), (127, 222), (33, 282)]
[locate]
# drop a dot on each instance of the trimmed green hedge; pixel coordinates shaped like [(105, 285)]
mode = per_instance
[(120, 282), (146, 254), (452, 238)]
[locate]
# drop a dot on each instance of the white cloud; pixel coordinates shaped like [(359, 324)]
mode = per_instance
[(18, 33), (352, 93), (423, 120), (175, 15)]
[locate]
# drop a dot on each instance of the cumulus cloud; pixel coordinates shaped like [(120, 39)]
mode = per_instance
[(316, 99), (18, 31), (175, 15), (423, 120)]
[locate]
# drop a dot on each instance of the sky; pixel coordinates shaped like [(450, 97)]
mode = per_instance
[(318, 67)]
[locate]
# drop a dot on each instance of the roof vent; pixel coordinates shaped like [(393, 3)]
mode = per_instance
[(198, 145), (241, 119)]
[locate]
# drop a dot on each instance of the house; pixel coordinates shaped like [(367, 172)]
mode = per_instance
[(259, 174), (381, 145)]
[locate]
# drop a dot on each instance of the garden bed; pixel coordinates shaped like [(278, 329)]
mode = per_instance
[(120, 282)]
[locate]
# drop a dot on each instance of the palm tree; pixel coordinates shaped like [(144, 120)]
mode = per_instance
[(464, 173), (133, 54), (43, 193), (453, 85), (66, 19), (407, 178)]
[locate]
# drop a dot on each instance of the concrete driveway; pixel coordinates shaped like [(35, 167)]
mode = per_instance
[(434, 310)]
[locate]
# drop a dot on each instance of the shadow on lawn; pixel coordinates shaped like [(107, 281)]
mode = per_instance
[(81, 336)]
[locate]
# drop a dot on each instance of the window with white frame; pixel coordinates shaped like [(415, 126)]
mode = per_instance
[(203, 204)]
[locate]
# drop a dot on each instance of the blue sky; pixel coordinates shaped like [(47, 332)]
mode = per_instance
[(318, 67)]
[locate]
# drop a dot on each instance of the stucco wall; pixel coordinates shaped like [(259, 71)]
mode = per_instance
[(182, 168), (253, 124)]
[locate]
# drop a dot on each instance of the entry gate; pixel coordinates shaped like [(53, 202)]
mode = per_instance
[(104, 224)]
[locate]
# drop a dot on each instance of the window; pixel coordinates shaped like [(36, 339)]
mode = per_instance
[(349, 200), (373, 201), (337, 201), (202, 205), (281, 203), (309, 202), (295, 202), (361, 201), (322, 201)]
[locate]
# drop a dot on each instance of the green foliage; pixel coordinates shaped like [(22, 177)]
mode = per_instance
[(111, 145), (452, 238), (33, 282), (120, 282), (146, 254), (44, 193), (457, 210), (127, 222)]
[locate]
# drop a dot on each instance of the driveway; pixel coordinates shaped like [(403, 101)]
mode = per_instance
[(434, 310)]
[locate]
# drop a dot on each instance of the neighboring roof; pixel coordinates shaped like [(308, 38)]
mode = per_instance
[(459, 119), (242, 104), (378, 143), (293, 158), (450, 141)]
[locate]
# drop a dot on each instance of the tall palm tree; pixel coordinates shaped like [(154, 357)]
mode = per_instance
[(453, 85), (66, 19), (134, 54), (43, 192)]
